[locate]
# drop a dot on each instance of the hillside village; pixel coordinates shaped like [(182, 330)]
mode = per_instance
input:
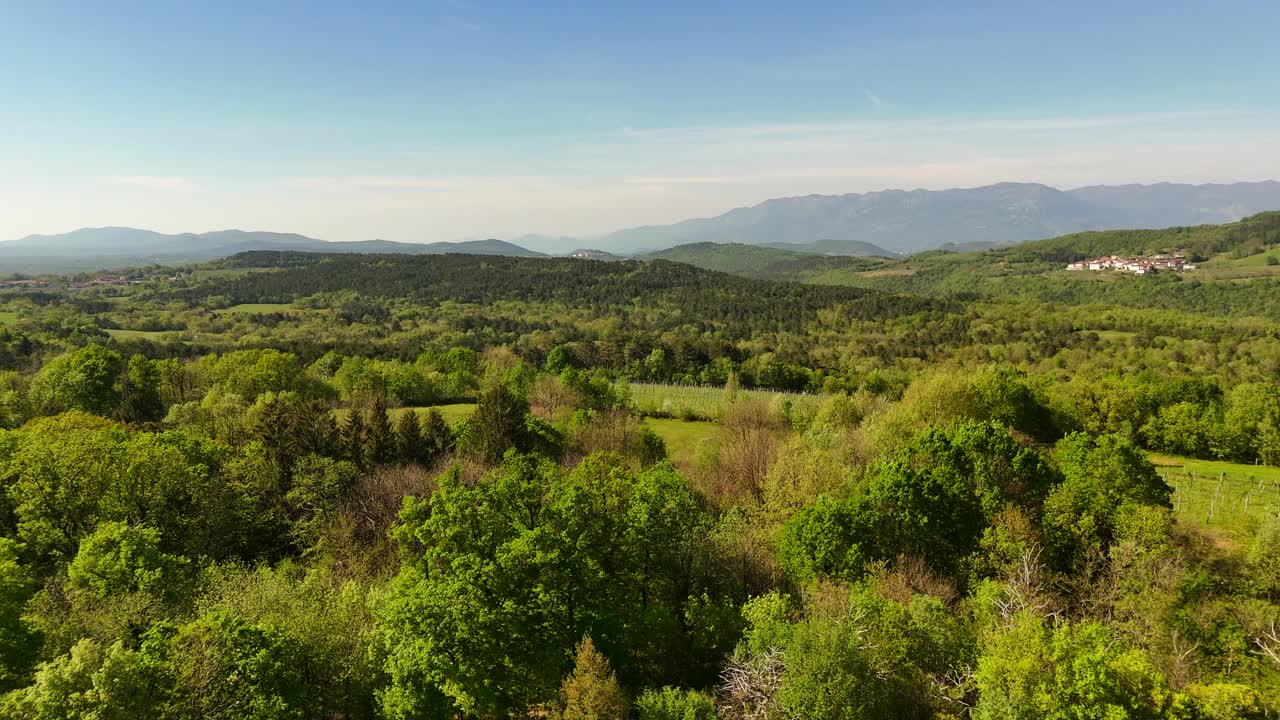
[(1138, 266)]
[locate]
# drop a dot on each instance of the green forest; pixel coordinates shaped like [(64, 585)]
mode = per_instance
[(359, 486)]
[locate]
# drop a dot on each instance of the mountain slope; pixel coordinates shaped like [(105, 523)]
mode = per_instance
[(1227, 285), (761, 261), (917, 220), (1169, 204), (685, 294), (726, 257), (854, 248), (96, 248)]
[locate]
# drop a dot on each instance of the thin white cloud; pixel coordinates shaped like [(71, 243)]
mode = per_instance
[(900, 127), (375, 183), (153, 182), (674, 180)]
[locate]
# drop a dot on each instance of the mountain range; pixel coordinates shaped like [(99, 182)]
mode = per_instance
[(112, 247), (884, 223), (908, 221)]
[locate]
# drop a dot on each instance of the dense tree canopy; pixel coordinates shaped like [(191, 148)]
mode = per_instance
[(304, 486)]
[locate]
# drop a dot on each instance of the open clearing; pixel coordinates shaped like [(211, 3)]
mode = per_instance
[(1222, 495), (8, 317), (257, 308), (682, 437), (699, 402), (452, 413), (153, 335)]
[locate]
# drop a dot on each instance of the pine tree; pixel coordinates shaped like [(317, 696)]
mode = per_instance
[(497, 425), (409, 445), (316, 429), (381, 440), (437, 439), (592, 692), (354, 436), (275, 429)]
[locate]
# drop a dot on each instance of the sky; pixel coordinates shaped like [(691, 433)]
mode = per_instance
[(446, 119)]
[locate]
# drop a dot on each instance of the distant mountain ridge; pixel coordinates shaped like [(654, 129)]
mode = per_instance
[(907, 221), (854, 248), (110, 247), (883, 223)]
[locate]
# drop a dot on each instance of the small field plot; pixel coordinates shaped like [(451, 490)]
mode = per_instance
[(1117, 335), (8, 317), (1222, 495), (153, 335), (223, 273), (451, 413), (682, 438), (257, 309), (696, 402)]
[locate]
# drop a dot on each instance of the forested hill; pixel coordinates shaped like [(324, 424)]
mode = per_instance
[(694, 293), (1238, 271), (760, 261), (1248, 236)]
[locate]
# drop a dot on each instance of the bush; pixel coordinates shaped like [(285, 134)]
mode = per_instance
[(674, 704), (592, 692), (1067, 671)]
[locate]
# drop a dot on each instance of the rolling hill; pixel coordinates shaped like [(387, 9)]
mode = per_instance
[(758, 261), (1234, 280), (882, 223), (854, 248), (688, 294)]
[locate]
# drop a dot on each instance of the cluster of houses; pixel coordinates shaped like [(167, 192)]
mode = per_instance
[(104, 281), (97, 282), (1138, 266)]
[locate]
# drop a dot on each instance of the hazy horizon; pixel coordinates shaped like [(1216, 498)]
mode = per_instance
[(516, 237)]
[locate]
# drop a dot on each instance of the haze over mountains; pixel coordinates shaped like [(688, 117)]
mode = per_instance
[(915, 220), (876, 223), (110, 247)]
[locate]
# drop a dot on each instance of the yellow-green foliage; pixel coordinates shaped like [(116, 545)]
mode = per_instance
[(592, 692)]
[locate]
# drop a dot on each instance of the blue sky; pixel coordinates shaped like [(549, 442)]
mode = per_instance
[(442, 119)]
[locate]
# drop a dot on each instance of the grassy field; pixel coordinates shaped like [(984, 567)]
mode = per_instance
[(1223, 496), (1115, 334), (682, 437), (1255, 260), (452, 413), (154, 335), (222, 273), (8, 317), (694, 402), (257, 308)]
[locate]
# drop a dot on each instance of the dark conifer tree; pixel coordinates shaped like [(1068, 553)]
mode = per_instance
[(380, 440), (276, 430), (316, 429), (409, 445), (437, 438), (497, 425), (354, 437)]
